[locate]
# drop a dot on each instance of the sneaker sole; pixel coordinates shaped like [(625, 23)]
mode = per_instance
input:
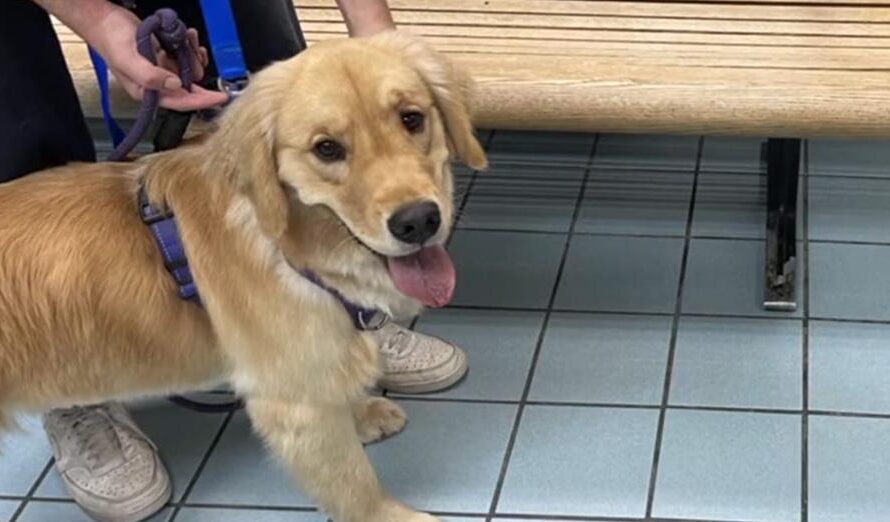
[(450, 379)]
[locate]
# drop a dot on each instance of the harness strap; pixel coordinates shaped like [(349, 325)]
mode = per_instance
[(166, 234)]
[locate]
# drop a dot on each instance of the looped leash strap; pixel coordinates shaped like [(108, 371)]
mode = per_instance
[(225, 46), (166, 26)]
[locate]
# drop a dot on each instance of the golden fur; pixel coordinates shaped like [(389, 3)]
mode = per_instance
[(88, 312)]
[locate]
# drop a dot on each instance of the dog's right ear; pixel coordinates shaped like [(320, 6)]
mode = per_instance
[(451, 88), (246, 142)]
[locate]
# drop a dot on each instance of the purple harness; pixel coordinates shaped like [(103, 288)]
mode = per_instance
[(166, 234), (171, 33)]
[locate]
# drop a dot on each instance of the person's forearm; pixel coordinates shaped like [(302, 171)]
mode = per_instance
[(366, 17), (81, 16)]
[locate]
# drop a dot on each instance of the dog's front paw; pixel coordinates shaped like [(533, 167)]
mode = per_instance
[(377, 417), (394, 511)]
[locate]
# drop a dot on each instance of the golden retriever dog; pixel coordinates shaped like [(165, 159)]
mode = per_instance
[(335, 161)]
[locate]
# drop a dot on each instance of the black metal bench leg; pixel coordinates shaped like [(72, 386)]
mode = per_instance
[(783, 170)]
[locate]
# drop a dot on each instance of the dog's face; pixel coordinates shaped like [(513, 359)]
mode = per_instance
[(366, 139), (365, 129)]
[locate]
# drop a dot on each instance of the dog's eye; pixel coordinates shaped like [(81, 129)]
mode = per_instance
[(413, 121), (329, 151)]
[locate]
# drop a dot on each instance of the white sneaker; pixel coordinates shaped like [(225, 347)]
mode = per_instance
[(418, 363), (109, 467)]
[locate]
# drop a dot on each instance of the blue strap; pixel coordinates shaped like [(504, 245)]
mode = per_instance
[(101, 70), (225, 45)]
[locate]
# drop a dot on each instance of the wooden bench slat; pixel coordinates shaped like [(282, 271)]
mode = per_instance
[(657, 54), (760, 67), (494, 22), (545, 41), (558, 37), (539, 8)]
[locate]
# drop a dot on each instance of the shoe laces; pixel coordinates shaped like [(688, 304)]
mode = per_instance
[(398, 344), (91, 431)]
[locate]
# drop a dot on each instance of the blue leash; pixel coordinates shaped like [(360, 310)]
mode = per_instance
[(101, 69), (225, 45)]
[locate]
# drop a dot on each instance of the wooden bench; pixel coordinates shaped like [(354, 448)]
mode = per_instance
[(780, 68)]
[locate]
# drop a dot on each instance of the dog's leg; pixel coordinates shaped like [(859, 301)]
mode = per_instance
[(377, 418), (320, 446)]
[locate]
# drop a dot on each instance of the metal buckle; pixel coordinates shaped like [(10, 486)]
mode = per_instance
[(233, 88), (149, 214)]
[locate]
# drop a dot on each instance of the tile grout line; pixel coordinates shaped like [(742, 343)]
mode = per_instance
[(466, 197), (850, 176), (33, 489), (623, 405), (182, 501), (520, 410), (596, 518), (638, 406), (805, 348), (581, 311), (251, 507), (708, 237), (501, 516), (675, 325), (849, 242), (642, 313)]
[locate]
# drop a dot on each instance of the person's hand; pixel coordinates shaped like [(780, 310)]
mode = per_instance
[(114, 38)]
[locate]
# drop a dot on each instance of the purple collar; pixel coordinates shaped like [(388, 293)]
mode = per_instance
[(166, 234), (362, 318)]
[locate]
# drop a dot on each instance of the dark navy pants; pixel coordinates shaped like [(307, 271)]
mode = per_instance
[(41, 122)]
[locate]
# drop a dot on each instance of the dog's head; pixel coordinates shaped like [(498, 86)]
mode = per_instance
[(344, 151)]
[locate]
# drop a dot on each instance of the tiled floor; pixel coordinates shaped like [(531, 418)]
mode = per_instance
[(622, 368)]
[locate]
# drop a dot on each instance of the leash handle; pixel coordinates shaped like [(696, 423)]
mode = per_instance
[(166, 26), (172, 34)]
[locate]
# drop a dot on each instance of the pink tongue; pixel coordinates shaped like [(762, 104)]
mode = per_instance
[(427, 276)]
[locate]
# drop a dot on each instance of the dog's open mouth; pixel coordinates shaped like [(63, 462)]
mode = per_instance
[(427, 275)]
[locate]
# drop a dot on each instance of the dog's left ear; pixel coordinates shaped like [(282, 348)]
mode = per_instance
[(247, 142), (451, 90)]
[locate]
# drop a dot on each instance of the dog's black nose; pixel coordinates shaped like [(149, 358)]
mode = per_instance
[(415, 223)]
